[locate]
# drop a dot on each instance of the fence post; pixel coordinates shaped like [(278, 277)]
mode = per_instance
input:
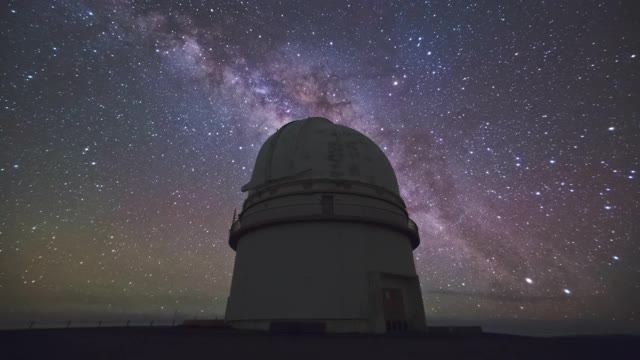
[(175, 312), (68, 324)]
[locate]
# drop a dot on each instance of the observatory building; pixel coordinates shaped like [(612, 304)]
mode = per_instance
[(323, 241)]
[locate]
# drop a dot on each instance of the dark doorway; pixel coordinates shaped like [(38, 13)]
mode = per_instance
[(327, 205), (394, 314)]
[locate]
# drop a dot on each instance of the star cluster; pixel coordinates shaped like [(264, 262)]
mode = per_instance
[(128, 128)]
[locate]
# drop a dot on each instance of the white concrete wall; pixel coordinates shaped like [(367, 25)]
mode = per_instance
[(315, 270), (296, 262)]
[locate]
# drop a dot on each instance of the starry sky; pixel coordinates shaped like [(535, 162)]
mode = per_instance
[(128, 127)]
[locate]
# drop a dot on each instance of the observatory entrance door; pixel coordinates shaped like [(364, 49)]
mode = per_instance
[(393, 306)]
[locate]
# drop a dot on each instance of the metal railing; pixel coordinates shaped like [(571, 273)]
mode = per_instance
[(77, 324), (314, 211)]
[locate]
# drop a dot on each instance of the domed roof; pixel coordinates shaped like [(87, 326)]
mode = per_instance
[(316, 148)]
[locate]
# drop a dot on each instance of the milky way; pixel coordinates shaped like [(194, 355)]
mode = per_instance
[(129, 127)]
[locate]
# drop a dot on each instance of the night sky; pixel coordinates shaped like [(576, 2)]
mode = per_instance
[(128, 127)]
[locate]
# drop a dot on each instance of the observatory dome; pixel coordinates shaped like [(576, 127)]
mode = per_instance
[(316, 148), (323, 240)]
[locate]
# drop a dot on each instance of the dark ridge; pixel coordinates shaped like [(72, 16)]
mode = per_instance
[(221, 343)]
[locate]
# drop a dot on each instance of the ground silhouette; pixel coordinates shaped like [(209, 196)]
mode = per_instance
[(185, 343)]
